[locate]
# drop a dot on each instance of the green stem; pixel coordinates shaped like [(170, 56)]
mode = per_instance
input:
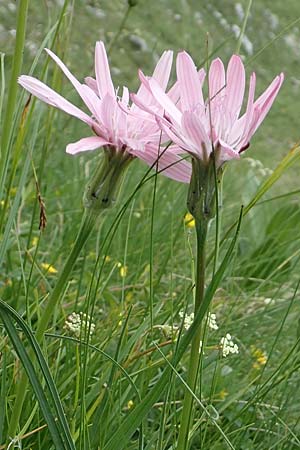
[(76, 396), (7, 128), (121, 26), (186, 415)]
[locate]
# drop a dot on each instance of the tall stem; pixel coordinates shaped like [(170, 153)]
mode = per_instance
[(12, 89), (201, 204), (201, 230)]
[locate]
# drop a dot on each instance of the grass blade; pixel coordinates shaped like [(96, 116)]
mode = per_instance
[(57, 423)]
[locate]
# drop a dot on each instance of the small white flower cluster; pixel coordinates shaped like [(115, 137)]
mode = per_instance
[(188, 319), (228, 346), (169, 331), (76, 323), (259, 167), (212, 321)]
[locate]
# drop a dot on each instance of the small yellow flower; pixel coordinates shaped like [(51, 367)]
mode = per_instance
[(189, 220), (123, 271), (35, 241), (107, 259), (2, 203), (260, 357), (130, 404), (50, 269), (223, 394)]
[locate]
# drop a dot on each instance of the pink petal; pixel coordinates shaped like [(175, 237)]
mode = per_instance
[(141, 105), (174, 93), (164, 101), (92, 84), (275, 85), (74, 81), (193, 128), (47, 95), (161, 74), (177, 136), (143, 95), (265, 101), (103, 78), (226, 152), (85, 144), (169, 164), (120, 122), (235, 87), (201, 76), (134, 145), (86, 93), (162, 70), (216, 78), (125, 96), (190, 85), (239, 132), (108, 107)]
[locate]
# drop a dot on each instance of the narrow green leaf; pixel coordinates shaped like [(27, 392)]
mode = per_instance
[(3, 394), (57, 424)]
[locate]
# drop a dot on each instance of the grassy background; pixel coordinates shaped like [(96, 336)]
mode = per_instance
[(257, 403)]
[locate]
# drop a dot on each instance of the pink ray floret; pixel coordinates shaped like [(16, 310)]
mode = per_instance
[(198, 126), (116, 123)]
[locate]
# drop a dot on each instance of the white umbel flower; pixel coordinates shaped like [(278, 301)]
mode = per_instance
[(228, 346), (188, 319), (76, 323), (212, 321)]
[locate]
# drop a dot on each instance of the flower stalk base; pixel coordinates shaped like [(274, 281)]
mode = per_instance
[(201, 204)]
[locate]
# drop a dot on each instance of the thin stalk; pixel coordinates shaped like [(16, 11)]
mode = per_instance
[(121, 26), (87, 225), (201, 230), (7, 128), (76, 396), (242, 33), (219, 210)]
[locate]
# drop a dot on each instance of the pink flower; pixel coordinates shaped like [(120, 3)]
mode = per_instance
[(198, 126), (116, 124)]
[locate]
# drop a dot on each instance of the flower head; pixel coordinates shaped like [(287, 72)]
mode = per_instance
[(198, 126), (75, 324), (188, 319), (212, 321), (116, 124), (189, 220), (228, 346), (49, 268)]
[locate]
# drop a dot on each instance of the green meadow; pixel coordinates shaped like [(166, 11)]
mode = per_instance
[(104, 375)]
